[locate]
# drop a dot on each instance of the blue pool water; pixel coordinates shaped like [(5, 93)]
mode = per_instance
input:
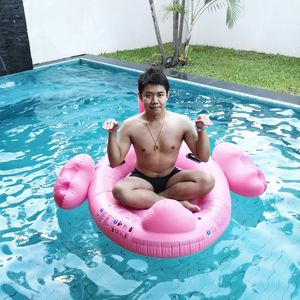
[(52, 113)]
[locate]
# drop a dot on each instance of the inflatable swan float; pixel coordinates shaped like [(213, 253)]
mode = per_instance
[(167, 229)]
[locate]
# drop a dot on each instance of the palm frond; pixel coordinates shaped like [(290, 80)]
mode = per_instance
[(178, 8), (233, 11), (210, 5), (215, 5)]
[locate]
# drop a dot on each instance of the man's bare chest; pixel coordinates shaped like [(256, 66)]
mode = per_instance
[(166, 141)]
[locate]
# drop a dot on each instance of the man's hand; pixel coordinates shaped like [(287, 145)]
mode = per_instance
[(202, 121), (111, 125)]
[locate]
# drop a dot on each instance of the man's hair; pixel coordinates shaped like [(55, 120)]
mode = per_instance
[(153, 76)]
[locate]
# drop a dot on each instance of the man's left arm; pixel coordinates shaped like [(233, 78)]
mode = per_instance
[(197, 139)]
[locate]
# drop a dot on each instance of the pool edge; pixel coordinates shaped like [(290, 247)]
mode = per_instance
[(239, 89)]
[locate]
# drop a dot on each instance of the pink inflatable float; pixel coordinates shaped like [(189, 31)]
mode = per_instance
[(167, 229)]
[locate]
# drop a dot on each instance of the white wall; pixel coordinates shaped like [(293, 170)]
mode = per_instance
[(271, 26), (64, 28)]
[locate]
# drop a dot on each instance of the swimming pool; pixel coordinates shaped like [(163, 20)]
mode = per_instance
[(54, 112)]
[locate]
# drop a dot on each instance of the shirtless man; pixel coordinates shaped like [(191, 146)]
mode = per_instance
[(156, 135)]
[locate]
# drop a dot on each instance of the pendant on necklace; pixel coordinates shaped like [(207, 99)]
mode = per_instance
[(155, 147)]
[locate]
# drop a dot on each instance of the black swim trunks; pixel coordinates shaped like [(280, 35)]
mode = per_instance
[(158, 183)]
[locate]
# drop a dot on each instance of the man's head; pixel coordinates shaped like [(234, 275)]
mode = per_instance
[(153, 76), (153, 89)]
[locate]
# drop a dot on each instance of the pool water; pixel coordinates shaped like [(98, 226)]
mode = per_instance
[(52, 113)]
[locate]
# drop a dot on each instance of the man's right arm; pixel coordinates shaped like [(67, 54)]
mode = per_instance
[(116, 149)]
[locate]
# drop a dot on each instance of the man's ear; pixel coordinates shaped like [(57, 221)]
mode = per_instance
[(168, 95), (139, 96), (140, 103)]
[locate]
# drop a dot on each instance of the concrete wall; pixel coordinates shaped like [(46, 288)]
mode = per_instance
[(271, 26), (64, 28)]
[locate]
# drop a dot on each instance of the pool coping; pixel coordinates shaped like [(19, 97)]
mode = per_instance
[(245, 90)]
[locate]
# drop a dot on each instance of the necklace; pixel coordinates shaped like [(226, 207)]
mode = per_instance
[(155, 147)]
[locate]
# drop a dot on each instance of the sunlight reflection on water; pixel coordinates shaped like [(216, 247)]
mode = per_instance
[(49, 253)]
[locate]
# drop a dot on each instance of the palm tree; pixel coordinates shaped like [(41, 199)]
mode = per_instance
[(157, 32), (232, 13), (178, 20), (182, 15)]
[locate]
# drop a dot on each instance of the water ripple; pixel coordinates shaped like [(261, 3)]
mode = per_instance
[(50, 115)]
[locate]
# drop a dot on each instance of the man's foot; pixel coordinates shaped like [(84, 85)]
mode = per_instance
[(188, 205)]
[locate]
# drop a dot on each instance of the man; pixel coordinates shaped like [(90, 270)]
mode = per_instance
[(156, 135)]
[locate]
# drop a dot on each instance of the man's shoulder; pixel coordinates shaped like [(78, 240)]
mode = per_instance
[(133, 118), (131, 121), (178, 117)]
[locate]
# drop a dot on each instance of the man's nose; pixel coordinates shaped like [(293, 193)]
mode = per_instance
[(154, 98)]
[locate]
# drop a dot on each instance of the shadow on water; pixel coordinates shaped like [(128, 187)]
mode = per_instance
[(24, 109), (247, 212), (112, 270), (12, 293)]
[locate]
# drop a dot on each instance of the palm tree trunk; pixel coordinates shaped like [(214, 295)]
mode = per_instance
[(181, 26), (157, 32), (175, 25), (175, 35), (186, 48), (189, 33), (178, 27)]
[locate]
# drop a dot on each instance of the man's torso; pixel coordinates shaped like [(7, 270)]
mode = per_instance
[(157, 161)]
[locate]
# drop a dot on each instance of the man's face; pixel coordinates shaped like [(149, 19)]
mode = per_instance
[(154, 97)]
